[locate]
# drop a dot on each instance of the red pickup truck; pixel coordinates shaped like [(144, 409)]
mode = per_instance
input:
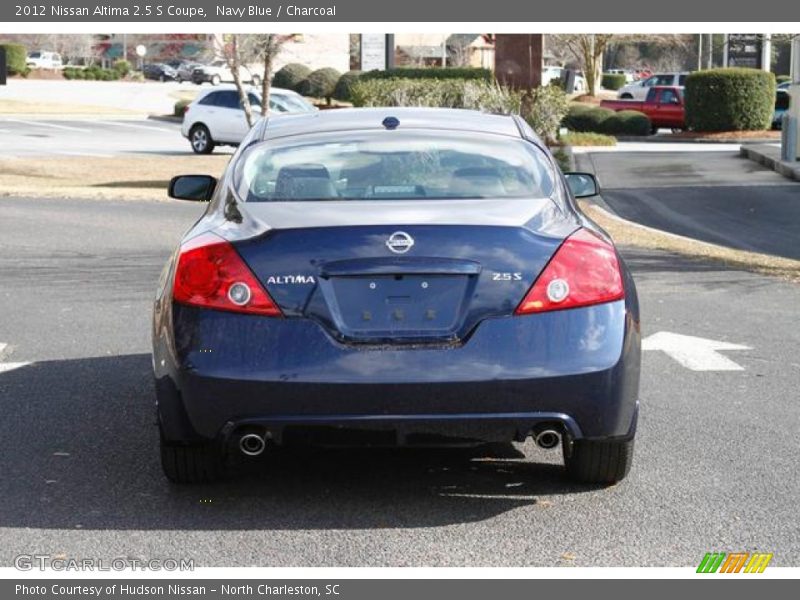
[(664, 105)]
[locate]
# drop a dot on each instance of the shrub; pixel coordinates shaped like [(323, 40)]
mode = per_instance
[(344, 86), (613, 81), (544, 110), (464, 73), (734, 99), (320, 83), (290, 76), (122, 67), (432, 92), (782, 79), (16, 57), (180, 107), (627, 122), (587, 119)]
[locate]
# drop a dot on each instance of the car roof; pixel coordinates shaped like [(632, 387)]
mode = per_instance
[(360, 119), (228, 87)]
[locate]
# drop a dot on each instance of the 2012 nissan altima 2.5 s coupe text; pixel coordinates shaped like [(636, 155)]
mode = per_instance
[(400, 277)]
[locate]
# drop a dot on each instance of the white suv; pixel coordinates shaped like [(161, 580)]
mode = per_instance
[(44, 60), (216, 116), (638, 90)]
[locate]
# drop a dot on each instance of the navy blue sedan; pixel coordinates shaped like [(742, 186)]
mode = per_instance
[(394, 277)]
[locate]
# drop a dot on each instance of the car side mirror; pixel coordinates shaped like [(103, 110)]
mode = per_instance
[(192, 187), (582, 185)]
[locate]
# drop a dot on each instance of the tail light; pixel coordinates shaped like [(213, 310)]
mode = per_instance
[(584, 271), (211, 274), (186, 109)]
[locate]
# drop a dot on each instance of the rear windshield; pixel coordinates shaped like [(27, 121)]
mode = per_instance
[(392, 165)]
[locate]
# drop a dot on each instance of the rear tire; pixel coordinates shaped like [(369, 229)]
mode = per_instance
[(598, 461), (201, 140), (199, 463)]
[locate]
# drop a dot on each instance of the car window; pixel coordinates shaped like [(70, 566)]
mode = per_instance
[(294, 103), (254, 100), (277, 105), (381, 165), (669, 97), (35, 55), (209, 99), (682, 80), (650, 82), (228, 99), (663, 80)]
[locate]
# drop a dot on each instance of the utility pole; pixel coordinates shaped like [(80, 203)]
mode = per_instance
[(725, 50), (790, 149), (699, 51), (766, 52)]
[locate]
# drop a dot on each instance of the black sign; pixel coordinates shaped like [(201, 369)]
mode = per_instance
[(744, 50)]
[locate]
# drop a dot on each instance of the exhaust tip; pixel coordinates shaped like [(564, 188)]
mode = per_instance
[(548, 439), (252, 444)]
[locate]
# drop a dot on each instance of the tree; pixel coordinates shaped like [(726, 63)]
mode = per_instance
[(588, 49), (240, 51)]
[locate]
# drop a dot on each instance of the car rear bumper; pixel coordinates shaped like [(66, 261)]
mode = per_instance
[(575, 369)]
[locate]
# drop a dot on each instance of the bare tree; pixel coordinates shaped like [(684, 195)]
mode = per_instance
[(588, 50), (242, 52)]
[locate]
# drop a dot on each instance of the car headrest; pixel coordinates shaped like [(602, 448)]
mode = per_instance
[(304, 182)]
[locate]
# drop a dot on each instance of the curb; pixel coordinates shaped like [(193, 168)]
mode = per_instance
[(790, 170), (165, 118), (656, 139)]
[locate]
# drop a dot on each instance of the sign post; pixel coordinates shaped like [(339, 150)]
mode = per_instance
[(3, 69)]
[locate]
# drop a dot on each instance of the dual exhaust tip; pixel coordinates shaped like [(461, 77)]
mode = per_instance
[(253, 444), (547, 439)]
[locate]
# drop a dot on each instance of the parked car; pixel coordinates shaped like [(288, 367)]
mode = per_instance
[(184, 71), (557, 73), (216, 116), (638, 90), (44, 60), (219, 72), (159, 72), (785, 85), (663, 105), (782, 101), (629, 75), (394, 276)]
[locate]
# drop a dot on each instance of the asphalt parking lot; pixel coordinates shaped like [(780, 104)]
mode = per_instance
[(715, 196), (715, 469), (91, 137)]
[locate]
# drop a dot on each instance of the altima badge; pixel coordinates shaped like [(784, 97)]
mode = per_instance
[(399, 242)]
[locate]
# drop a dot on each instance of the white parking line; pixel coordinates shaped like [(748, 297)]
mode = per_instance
[(52, 125), (78, 153), (135, 126)]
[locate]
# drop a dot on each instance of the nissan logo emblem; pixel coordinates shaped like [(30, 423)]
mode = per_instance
[(399, 242)]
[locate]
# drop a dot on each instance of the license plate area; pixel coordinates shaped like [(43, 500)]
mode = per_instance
[(413, 306)]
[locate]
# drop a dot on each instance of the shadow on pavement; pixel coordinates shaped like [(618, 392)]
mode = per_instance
[(79, 450)]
